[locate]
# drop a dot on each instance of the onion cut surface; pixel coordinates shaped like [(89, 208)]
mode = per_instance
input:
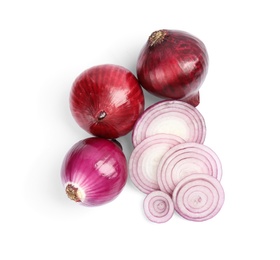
[(184, 159), (198, 197), (158, 207), (145, 158), (170, 117)]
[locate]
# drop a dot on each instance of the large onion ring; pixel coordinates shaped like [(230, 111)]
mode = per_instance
[(170, 117), (145, 157), (198, 197), (184, 159)]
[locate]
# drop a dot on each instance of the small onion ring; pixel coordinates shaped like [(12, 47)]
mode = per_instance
[(144, 159), (198, 197), (158, 206), (185, 159), (171, 117)]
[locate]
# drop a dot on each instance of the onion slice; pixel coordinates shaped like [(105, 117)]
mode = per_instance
[(158, 207), (171, 117), (184, 159), (145, 158), (198, 197)]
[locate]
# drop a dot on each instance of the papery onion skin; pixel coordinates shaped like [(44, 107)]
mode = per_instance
[(173, 64), (94, 171), (106, 100), (158, 206)]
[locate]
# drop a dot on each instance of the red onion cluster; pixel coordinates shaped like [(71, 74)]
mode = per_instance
[(170, 162)]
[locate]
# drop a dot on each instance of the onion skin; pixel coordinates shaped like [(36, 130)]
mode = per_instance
[(173, 64), (106, 100), (94, 171)]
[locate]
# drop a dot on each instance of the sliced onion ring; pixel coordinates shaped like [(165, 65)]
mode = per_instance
[(145, 158), (184, 159), (171, 117), (198, 197), (158, 206)]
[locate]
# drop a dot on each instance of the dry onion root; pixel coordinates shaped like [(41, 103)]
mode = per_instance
[(158, 207), (198, 197)]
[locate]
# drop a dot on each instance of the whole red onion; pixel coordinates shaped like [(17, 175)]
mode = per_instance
[(94, 171), (106, 100), (173, 64)]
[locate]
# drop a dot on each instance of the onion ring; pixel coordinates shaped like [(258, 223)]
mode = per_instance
[(158, 206), (198, 197), (184, 159), (145, 157), (170, 117)]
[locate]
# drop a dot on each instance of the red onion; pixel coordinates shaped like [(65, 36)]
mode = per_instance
[(94, 171), (171, 117), (184, 159), (145, 157), (106, 100), (173, 64), (198, 197), (158, 207)]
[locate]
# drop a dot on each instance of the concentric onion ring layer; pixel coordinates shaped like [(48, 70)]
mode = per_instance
[(170, 117), (198, 197), (184, 159), (145, 157), (158, 206)]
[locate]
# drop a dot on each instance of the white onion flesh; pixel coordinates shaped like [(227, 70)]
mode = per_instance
[(185, 159), (170, 117), (145, 158), (158, 207), (198, 197)]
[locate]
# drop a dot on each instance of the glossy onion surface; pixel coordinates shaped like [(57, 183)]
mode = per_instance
[(106, 100), (173, 64), (94, 171)]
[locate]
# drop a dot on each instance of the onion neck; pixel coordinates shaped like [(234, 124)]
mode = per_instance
[(193, 100), (73, 193), (156, 37)]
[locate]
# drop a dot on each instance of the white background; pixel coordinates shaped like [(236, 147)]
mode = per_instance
[(45, 44)]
